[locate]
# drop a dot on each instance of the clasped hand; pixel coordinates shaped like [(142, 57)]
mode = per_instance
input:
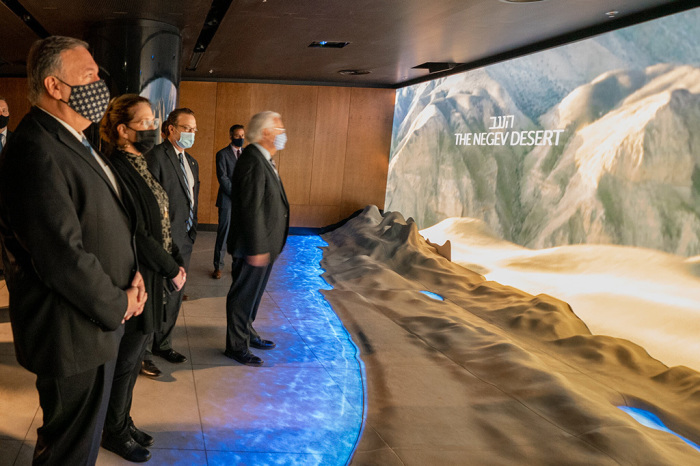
[(136, 296), (180, 279)]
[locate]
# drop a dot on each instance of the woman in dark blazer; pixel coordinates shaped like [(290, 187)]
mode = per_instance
[(130, 130)]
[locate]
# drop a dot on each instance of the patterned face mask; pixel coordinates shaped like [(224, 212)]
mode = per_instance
[(88, 100)]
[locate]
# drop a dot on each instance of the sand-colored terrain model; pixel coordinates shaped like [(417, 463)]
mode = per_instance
[(492, 374)]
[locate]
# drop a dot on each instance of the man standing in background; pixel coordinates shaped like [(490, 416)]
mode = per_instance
[(258, 232), (4, 121), (178, 173), (4, 135), (69, 260), (225, 163)]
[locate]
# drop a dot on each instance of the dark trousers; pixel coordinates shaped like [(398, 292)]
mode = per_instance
[(74, 412), (162, 340), (131, 350), (221, 235), (242, 302)]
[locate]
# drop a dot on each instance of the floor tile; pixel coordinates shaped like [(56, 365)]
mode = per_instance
[(10, 450), (305, 404), (159, 457), (166, 408)]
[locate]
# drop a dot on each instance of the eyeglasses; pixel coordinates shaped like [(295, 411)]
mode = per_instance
[(146, 124), (281, 129), (188, 129)]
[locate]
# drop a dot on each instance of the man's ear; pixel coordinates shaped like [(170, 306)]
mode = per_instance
[(51, 84)]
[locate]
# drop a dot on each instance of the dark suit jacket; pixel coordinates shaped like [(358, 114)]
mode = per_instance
[(164, 163), (259, 207), (225, 163), (68, 246), (154, 261)]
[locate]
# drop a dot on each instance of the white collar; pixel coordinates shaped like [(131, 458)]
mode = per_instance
[(79, 136)]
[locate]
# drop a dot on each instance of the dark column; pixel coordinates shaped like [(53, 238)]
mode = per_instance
[(140, 57)]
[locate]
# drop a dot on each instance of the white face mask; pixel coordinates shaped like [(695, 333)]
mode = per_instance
[(280, 141), (186, 140)]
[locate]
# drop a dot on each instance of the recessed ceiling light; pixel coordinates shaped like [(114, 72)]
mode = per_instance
[(354, 72), (434, 66), (612, 14), (328, 44)]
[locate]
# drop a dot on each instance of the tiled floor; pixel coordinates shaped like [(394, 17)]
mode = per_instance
[(304, 406)]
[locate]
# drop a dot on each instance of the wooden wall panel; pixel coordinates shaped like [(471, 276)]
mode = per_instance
[(15, 91), (201, 98), (232, 108), (367, 159), (313, 216), (330, 146), (335, 161), (297, 105)]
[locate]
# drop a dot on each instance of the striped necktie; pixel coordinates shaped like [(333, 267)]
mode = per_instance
[(190, 217)]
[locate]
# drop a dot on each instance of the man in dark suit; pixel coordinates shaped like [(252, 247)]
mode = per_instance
[(4, 120), (69, 256), (225, 163), (5, 133), (258, 232), (178, 173)]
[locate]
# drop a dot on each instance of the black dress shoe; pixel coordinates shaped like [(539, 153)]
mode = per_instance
[(171, 356), (244, 357), (259, 343), (141, 437), (149, 369), (129, 450)]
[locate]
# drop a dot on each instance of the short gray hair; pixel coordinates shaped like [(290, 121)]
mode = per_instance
[(44, 60), (259, 122)]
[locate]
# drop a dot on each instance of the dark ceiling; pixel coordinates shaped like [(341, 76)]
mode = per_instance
[(267, 40)]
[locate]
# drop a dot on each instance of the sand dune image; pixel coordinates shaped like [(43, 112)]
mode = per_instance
[(643, 295), (494, 374)]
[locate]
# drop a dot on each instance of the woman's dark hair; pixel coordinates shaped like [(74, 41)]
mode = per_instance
[(121, 110)]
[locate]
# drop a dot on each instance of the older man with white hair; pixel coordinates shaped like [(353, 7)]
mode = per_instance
[(258, 232)]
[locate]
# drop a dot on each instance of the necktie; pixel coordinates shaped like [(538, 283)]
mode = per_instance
[(274, 167), (2, 141), (190, 217)]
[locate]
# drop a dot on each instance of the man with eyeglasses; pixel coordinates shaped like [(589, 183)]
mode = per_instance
[(178, 173), (257, 233)]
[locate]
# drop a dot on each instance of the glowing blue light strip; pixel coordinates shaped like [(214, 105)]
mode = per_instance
[(649, 419), (313, 272), (433, 295)]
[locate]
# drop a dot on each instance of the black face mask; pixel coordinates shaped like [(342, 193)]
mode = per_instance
[(238, 142), (88, 100), (145, 140), (4, 120)]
